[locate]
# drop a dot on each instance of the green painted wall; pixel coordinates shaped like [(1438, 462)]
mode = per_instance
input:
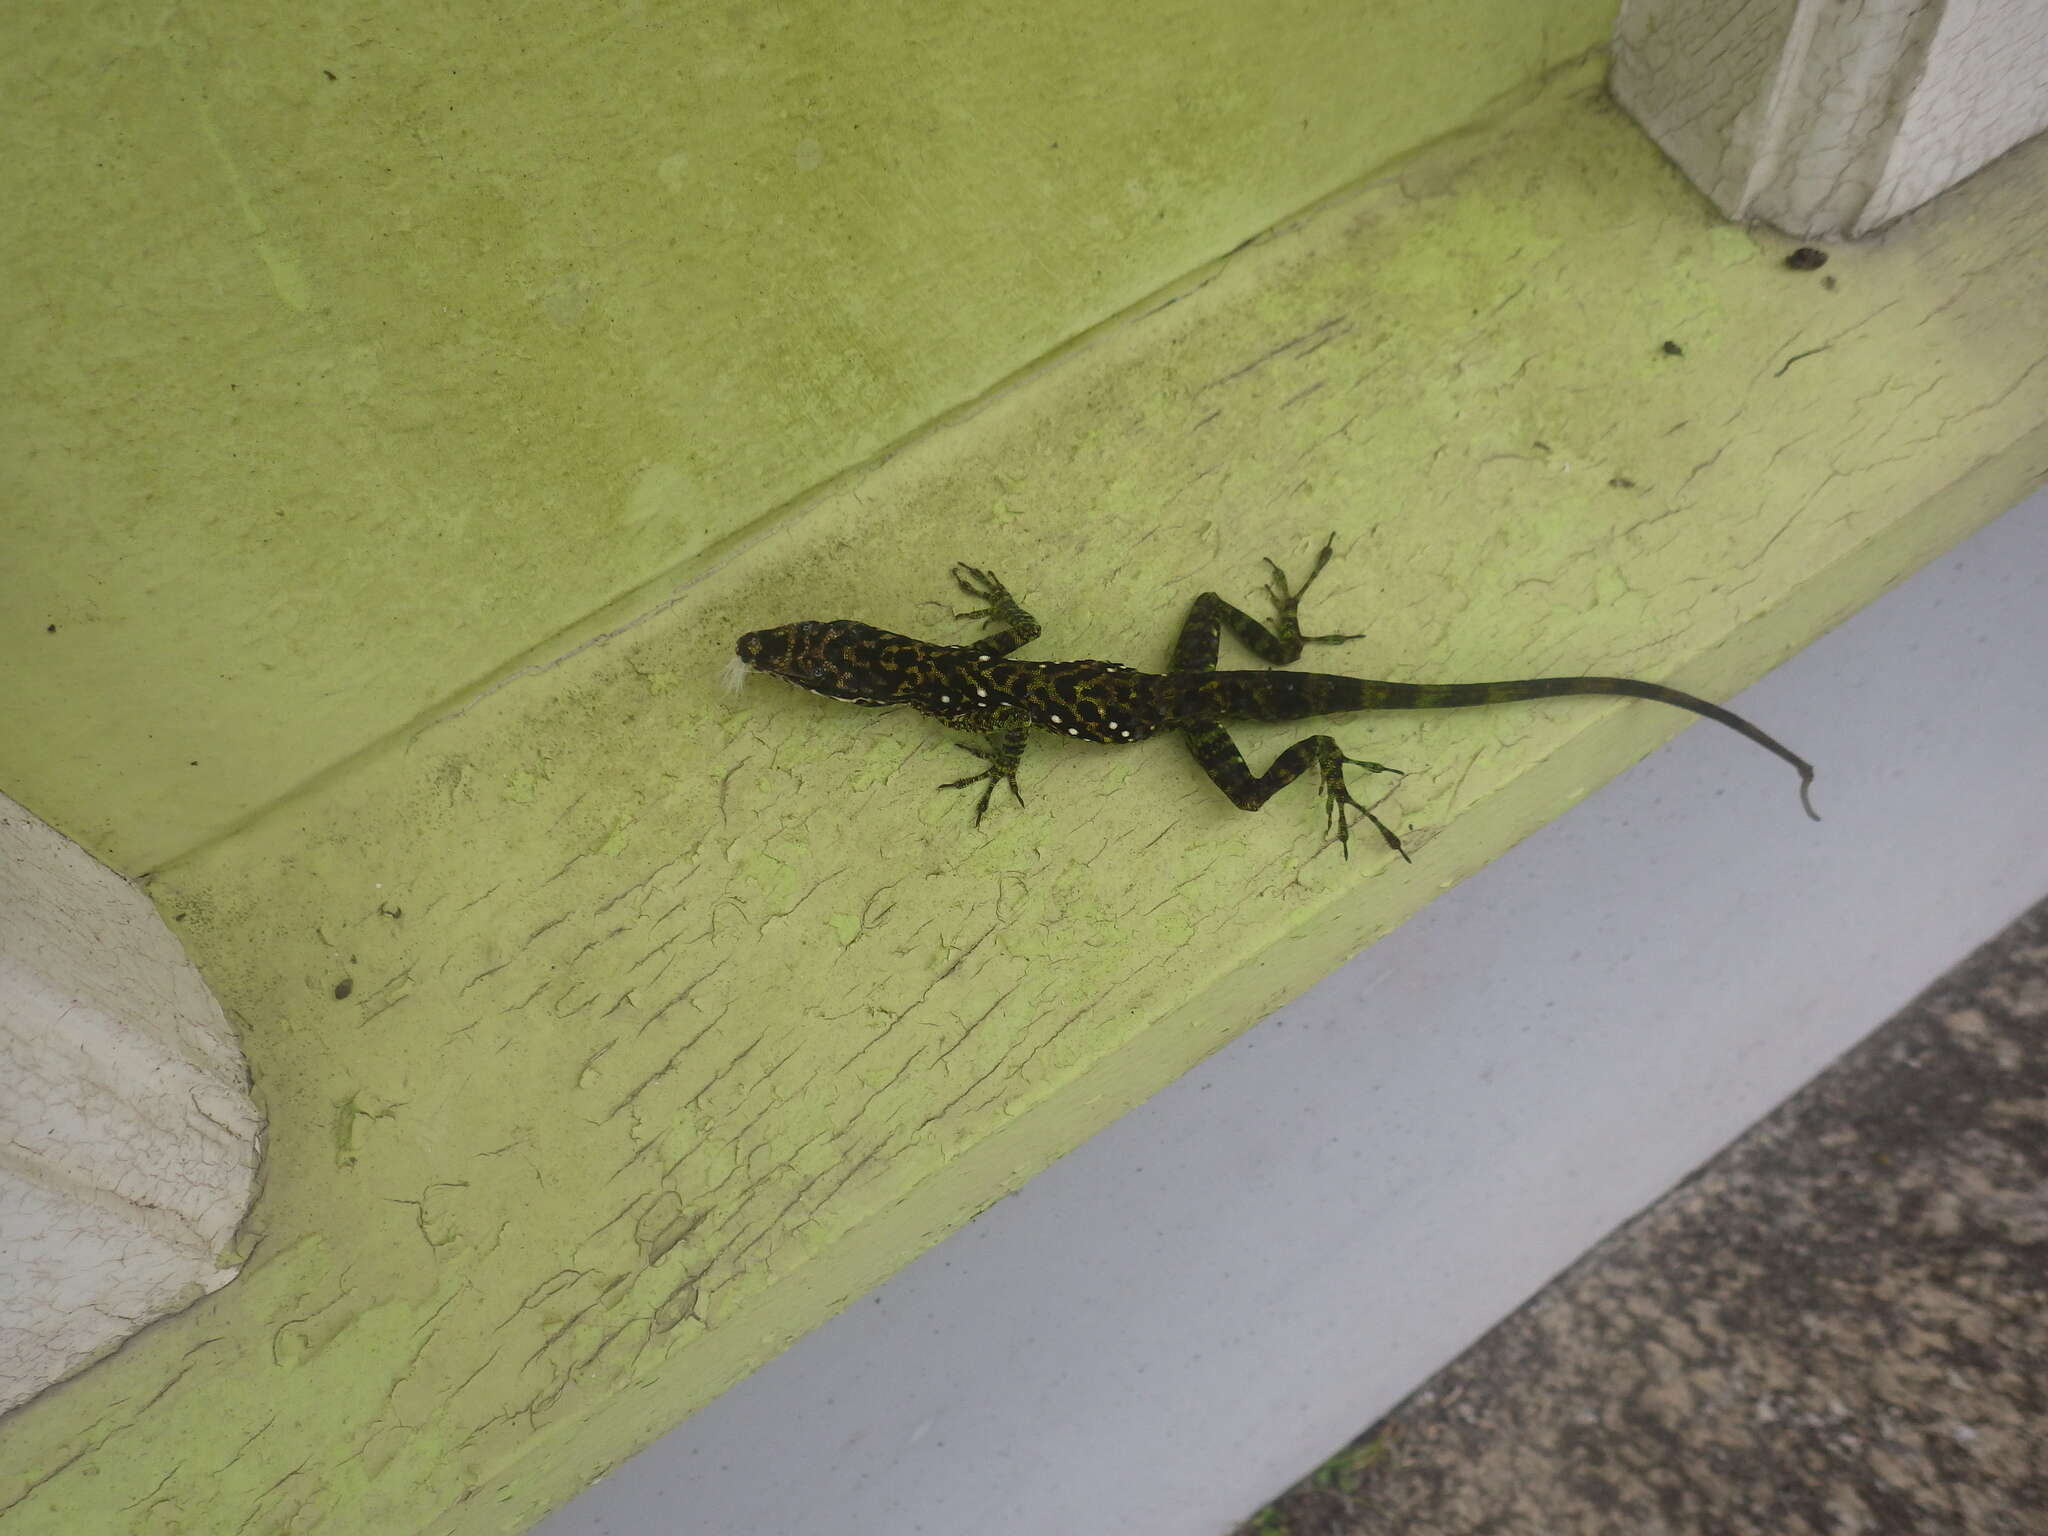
[(673, 1021), (354, 351)]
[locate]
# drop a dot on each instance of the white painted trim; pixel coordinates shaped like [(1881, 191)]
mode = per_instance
[(1830, 120), (128, 1140)]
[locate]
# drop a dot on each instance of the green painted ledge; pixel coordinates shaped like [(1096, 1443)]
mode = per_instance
[(672, 1023)]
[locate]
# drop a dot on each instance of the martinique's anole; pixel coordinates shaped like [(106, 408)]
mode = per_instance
[(978, 688)]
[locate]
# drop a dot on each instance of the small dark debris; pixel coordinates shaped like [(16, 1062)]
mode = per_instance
[(193, 764), (49, 629), (343, 987), (330, 74), (1542, 447), (394, 913), (1829, 283), (1673, 349), (1806, 259), (1622, 483)]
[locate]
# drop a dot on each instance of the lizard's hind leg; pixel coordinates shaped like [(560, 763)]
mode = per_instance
[(1281, 645), (1219, 758)]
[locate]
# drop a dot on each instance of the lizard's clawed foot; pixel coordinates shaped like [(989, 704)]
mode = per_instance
[(977, 583), (997, 772), (1337, 801), (1019, 628), (1287, 598)]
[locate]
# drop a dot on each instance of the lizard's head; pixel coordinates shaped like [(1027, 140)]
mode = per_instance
[(838, 658)]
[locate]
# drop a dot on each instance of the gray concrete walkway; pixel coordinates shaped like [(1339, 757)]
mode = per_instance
[(1839, 1324)]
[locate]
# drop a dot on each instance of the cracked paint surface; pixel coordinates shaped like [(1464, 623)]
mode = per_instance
[(672, 1023)]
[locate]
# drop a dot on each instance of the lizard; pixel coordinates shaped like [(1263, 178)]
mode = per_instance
[(980, 689)]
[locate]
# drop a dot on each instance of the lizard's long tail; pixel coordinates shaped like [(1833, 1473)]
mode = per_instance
[(1293, 695), (1379, 695)]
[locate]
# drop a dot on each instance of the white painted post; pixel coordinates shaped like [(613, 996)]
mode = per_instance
[(1830, 120), (128, 1140)]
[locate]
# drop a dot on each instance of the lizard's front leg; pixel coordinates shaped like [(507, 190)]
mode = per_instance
[(1195, 651), (1227, 769), (1019, 627), (1006, 732)]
